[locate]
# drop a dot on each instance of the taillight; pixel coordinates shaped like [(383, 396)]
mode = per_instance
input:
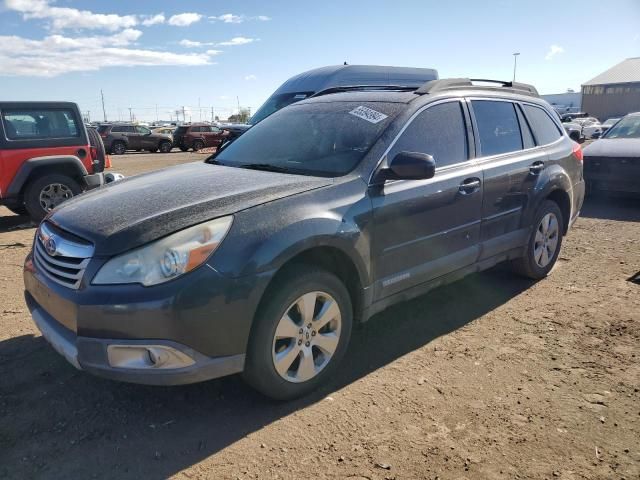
[(577, 152), (94, 153), (103, 135)]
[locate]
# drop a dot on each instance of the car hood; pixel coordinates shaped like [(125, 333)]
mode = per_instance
[(613, 147), (140, 209)]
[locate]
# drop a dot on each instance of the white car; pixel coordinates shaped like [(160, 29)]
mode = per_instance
[(591, 127)]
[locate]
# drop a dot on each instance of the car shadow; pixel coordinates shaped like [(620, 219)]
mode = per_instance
[(86, 427), (11, 222), (609, 207)]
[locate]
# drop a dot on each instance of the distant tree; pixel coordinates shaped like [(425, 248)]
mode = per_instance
[(241, 117)]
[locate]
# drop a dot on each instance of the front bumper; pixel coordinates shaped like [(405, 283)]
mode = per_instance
[(203, 316)]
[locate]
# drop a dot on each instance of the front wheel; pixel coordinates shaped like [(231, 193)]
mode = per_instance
[(198, 145), (165, 147), (47, 192), (119, 148), (544, 243), (300, 334)]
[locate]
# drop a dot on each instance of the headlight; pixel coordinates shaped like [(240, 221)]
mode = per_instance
[(166, 258)]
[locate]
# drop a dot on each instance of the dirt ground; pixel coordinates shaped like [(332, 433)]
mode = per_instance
[(493, 377)]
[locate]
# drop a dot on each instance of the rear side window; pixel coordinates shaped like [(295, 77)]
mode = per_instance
[(118, 129), (438, 131), (498, 127), (40, 124), (544, 129), (103, 128)]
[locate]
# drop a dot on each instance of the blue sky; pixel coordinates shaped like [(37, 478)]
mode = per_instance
[(135, 51)]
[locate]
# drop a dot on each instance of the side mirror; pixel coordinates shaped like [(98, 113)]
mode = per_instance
[(407, 166)]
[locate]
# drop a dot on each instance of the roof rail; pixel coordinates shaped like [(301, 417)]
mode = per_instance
[(357, 88), (434, 86)]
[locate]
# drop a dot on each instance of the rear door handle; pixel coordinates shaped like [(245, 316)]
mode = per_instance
[(469, 186), (536, 167)]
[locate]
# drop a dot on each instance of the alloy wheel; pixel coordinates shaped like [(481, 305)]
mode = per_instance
[(546, 240), (53, 195), (306, 337)]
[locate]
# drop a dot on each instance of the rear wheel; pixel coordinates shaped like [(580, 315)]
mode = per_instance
[(47, 192), (118, 148), (198, 145), (184, 149), (165, 147), (300, 334), (544, 243)]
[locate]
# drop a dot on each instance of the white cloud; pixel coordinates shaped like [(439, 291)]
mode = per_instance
[(154, 20), (231, 18), (213, 52), (237, 41), (61, 18), (250, 78), (553, 51), (184, 19), (56, 54)]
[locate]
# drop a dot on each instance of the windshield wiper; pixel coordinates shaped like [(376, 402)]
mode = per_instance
[(267, 167)]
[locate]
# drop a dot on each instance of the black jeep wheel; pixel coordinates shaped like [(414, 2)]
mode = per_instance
[(165, 147), (47, 192), (18, 210), (118, 148)]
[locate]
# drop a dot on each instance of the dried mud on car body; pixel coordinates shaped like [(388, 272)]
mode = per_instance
[(491, 377)]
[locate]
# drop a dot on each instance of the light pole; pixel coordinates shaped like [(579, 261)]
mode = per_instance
[(515, 64)]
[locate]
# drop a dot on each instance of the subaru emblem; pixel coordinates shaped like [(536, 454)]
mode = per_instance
[(50, 246)]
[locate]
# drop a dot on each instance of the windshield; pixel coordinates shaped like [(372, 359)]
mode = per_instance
[(275, 103), (610, 121), (628, 127), (321, 139)]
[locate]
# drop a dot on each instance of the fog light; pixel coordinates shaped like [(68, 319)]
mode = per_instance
[(147, 357)]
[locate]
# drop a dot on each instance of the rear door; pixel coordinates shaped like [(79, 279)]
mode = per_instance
[(424, 229), (511, 165), (135, 142)]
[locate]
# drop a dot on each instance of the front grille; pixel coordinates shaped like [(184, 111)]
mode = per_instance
[(60, 257)]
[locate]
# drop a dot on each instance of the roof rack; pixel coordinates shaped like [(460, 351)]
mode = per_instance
[(357, 88), (434, 86)]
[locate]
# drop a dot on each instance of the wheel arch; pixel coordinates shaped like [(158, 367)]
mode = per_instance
[(38, 166)]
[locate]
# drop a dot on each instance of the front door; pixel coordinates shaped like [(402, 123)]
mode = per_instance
[(133, 137), (147, 141), (424, 229)]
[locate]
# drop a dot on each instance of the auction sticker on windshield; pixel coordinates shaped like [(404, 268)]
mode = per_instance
[(368, 114)]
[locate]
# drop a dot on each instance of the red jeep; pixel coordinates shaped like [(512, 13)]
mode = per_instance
[(198, 136), (46, 156)]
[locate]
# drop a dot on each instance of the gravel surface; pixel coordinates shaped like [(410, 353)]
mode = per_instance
[(493, 377)]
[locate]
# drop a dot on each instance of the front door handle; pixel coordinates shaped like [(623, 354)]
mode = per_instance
[(536, 168), (469, 186)]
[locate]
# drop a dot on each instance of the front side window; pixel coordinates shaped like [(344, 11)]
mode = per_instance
[(322, 139), (544, 129), (40, 124), (439, 131), (143, 130), (498, 127)]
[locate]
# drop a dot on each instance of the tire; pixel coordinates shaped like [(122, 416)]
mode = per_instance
[(264, 348), (531, 264), (153, 150), (21, 210), (118, 148), (165, 147), (184, 149), (55, 187), (198, 145), (575, 136)]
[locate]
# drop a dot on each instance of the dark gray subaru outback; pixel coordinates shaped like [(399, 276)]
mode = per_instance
[(262, 258)]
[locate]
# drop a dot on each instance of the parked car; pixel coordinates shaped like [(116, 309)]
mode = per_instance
[(307, 84), (261, 259), (570, 116), (592, 128), (612, 163), (574, 130), (46, 156), (120, 137), (165, 131), (198, 136)]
